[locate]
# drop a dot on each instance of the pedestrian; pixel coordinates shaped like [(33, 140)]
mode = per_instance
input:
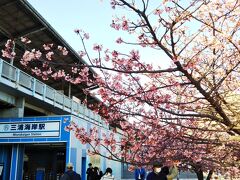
[(165, 170), (173, 170), (156, 173), (108, 175), (90, 172), (100, 174), (70, 174), (97, 174), (139, 173)]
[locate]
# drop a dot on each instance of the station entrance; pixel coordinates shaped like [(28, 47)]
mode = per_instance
[(38, 148), (44, 161)]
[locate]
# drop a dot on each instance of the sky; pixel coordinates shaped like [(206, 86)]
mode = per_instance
[(94, 17)]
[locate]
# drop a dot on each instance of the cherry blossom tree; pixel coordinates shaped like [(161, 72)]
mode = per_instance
[(188, 111)]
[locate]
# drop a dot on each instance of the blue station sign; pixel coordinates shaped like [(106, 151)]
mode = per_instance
[(30, 129)]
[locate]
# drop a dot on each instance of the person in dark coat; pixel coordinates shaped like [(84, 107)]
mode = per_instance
[(165, 170), (97, 174), (156, 174), (70, 174), (90, 172)]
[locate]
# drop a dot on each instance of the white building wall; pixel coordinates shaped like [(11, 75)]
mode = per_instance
[(104, 163)]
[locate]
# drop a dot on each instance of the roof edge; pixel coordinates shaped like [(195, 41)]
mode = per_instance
[(53, 31)]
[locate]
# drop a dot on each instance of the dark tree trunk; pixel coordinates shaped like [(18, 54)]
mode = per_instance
[(198, 170), (199, 174), (210, 173)]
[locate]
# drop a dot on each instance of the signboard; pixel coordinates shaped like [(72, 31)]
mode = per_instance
[(30, 129)]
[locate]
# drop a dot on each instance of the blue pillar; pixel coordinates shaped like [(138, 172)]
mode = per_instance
[(5, 160), (16, 169), (68, 153)]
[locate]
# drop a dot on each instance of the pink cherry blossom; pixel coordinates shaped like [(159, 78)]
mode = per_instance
[(158, 12), (115, 25), (63, 50), (8, 51), (183, 106), (119, 40), (47, 47), (49, 55), (97, 47), (25, 40), (77, 31), (86, 35)]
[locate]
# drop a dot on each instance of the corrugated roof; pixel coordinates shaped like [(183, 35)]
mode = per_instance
[(19, 19)]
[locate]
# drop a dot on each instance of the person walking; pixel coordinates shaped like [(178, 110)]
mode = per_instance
[(139, 173), (156, 174), (90, 172), (70, 174), (108, 175), (173, 170), (97, 174)]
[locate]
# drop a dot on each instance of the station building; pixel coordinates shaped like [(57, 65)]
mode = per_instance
[(33, 113)]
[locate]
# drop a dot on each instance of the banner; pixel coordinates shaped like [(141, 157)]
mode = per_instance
[(30, 129)]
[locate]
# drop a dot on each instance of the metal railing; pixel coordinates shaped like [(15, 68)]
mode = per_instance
[(12, 76)]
